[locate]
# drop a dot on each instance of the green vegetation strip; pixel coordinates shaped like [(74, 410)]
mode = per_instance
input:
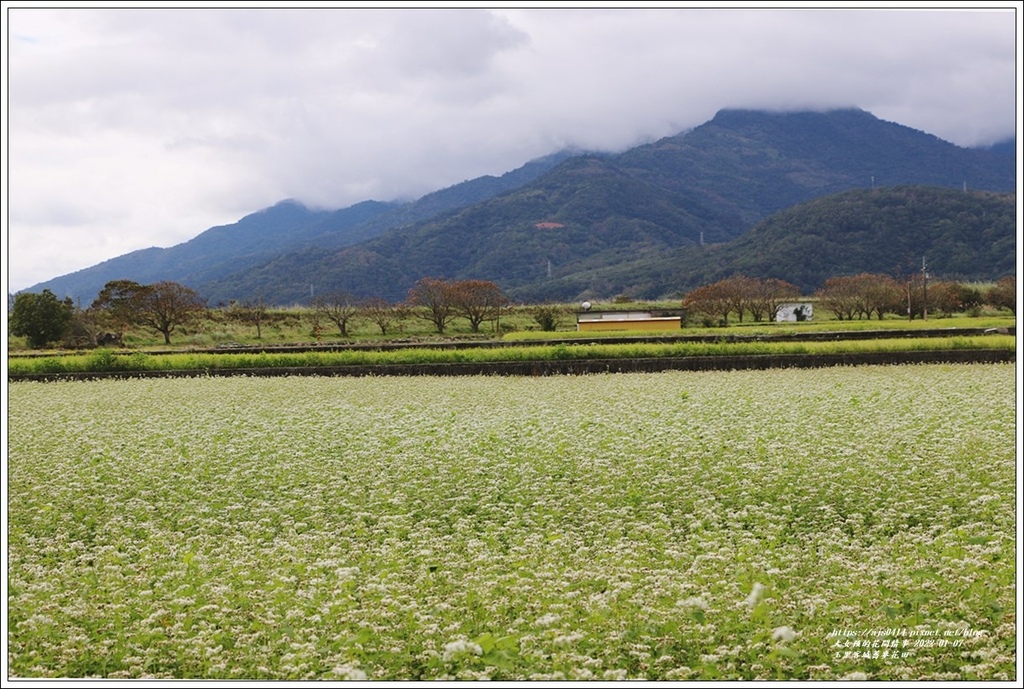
[(814, 328), (858, 522), (107, 361)]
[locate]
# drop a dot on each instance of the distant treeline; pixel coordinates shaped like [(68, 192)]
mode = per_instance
[(168, 307)]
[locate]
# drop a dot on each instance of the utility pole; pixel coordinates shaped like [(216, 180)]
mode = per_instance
[(924, 288)]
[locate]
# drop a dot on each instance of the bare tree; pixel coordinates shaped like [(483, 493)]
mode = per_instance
[(251, 311), (434, 300), (948, 297), (737, 291), (383, 313), (839, 295), (478, 301), (1003, 295), (767, 295), (339, 308), (861, 295), (882, 294), (713, 301)]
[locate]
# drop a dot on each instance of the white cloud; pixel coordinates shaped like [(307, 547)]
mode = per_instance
[(132, 128)]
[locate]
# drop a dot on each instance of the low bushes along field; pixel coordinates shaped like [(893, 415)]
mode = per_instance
[(107, 360)]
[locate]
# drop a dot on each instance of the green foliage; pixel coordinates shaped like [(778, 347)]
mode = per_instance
[(548, 316), (40, 318), (107, 360), (102, 360), (964, 237), (162, 306)]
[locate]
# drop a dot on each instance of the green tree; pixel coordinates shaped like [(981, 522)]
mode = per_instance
[(116, 305), (163, 306), (41, 318), (548, 315)]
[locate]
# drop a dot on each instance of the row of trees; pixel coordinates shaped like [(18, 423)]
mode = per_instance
[(759, 297), (435, 300), (167, 306), (478, 301), (867, 294), (164, 306), (857, 296)]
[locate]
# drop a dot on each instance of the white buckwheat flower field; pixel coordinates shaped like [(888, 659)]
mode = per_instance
[(787, 524)]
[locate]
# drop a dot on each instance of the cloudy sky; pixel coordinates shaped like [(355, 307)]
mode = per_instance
[(130, 128)]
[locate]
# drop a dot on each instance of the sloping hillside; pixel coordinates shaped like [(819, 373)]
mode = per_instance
[(962, 235), (213, 256), (592, 214), (565, 225)]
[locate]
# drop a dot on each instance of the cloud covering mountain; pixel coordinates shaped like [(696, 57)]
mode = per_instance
[(131, 128)]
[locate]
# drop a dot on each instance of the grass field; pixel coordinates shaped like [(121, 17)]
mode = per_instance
[(819, 324), (107, 360), (295, 325), (812, 524)]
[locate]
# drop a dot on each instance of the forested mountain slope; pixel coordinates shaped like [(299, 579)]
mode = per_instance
[(598, 224)]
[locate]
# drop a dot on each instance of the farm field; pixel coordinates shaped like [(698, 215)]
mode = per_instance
[(805, 524), (105, 360), (294, 326)]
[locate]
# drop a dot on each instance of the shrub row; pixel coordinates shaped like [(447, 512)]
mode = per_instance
[(108, 361)]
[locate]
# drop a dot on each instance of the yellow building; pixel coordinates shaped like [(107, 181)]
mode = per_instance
[(625, 320)]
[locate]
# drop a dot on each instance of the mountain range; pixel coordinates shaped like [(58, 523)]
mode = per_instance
[(800, 196)]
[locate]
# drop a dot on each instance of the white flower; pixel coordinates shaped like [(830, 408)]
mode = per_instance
[(565, 640), (856, 677), (784, 634), (548, 620), (755, 596), (349, 672), (693, 602), (454, 649)]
